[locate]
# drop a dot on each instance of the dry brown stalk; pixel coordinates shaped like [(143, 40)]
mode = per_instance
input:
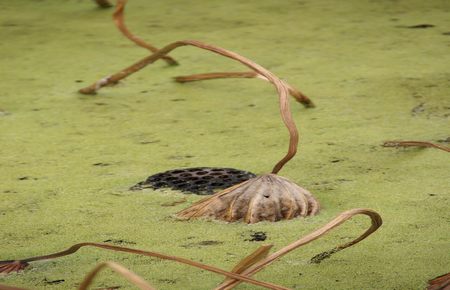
[(25, 262), (215, 75), (340, 219), (281, 87), (251, 259), (415, 144), (299, 96), (118, 17), (103, 3), (440, 283), (124, 272)]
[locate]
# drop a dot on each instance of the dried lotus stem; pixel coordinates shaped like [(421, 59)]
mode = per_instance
[(439, 283), (414, 144), (103, 3), (129, 275), (251, 259), (216, 75), (76, 247), (299, 96), (281, 87), (340, 219), (118, 17)]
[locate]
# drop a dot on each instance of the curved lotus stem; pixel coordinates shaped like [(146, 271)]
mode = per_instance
[(76, 247), (439, 283), (282, 89), (103, 3), (130, 276), (118, 18), (415, 143), (120, 24), (376, 223), (216, 75), (299, 96)]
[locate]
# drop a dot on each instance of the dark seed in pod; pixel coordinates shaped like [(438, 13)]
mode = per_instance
[(198, 180)]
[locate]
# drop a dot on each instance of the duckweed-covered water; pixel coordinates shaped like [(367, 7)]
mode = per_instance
[(377, 70)]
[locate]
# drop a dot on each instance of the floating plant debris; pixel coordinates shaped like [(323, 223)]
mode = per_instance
[(242, 272), (276, 198), (199, 180), (273, 185), (299, 96), (111, 80), (120, 24)]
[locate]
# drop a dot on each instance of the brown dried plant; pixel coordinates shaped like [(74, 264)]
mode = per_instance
[(121, 270), (118, 17), (268, 197), (242, 272), (299, 96)]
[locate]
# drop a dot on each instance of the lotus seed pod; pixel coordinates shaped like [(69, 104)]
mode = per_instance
[(264, 198)]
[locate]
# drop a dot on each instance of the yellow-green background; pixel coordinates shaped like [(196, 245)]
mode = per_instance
[(365, 71)]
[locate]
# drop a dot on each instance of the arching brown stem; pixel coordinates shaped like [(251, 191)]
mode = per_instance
[(282, 89), (215, 75), (415, 144), (376, 223), (118, 17), (129, 275), (299, 96), (76, 247), (439, 283)]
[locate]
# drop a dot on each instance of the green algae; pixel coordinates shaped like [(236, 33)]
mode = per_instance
[(371, 78)]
